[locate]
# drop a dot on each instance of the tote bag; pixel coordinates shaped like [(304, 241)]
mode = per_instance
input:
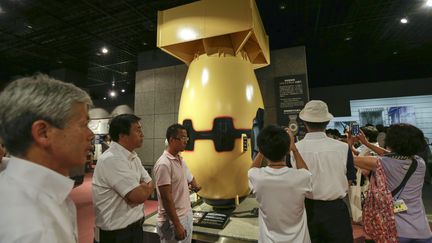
[(355, 194), (378, 217)]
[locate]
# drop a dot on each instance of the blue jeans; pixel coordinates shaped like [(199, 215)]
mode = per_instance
[(166, 230)]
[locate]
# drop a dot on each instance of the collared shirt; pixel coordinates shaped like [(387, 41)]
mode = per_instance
[(117, 172), (327, 159), (172, 170), (34, 204), (281, 193)]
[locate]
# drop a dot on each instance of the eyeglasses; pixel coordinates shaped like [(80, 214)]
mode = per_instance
[(185, 139)]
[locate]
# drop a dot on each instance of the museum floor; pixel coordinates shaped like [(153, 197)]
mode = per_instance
[(81, 195)]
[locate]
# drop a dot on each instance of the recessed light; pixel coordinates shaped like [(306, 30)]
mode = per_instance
[(104, 50), (59, 61), (113, 93), (348, 38), (144, 43), (404, 20), (104, 98), (282, 7), (29, 26), (395, 52), (123, 90)]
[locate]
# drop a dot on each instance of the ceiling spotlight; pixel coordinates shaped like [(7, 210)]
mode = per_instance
[(112, 93), (144, 43), (113, 83), (104, 50), (395, 52), (29, 26), (59, 62), (404, 20), (429, 3), (348, 38), (282, 7), (104, 98), (123, 90)]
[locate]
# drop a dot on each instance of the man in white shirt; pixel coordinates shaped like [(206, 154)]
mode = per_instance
[(331, 164), (173, 179), (280, 190), (121, 184), (43, 124)]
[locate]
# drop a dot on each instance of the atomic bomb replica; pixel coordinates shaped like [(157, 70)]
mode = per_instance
[(222, 41)]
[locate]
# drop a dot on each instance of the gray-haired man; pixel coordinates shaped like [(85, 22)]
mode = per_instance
[(43, 124)]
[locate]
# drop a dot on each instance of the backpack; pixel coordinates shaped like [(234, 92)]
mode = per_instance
[(378, 217)]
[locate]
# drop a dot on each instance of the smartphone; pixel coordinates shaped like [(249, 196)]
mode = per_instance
[(355, 129)]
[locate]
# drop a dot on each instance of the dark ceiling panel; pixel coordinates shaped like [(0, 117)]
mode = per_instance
[(346, 41)]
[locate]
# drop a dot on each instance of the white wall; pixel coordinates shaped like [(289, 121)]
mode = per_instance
[(422, 106)]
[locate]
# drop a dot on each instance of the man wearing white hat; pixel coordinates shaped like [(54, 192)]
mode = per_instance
[(331, 164)]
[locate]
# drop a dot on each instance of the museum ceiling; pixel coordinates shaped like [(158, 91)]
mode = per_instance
[(346, 41)]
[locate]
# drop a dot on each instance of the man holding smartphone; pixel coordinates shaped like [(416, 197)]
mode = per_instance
[(331, 164)]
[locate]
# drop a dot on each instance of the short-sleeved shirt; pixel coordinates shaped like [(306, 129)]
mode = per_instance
[(331, 164), (281, 193), (413, 223), (34, 204), (172, 170), (365, 150), (118, 171)]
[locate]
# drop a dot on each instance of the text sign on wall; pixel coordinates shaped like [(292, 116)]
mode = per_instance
[(292, 93)]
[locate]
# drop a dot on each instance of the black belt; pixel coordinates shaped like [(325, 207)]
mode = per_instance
[(137, 223), (322, 201)]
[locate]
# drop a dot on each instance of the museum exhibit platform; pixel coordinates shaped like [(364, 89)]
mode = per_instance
[(242, 225)]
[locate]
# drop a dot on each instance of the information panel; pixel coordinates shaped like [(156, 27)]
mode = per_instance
[(292, 93), (210, 219)]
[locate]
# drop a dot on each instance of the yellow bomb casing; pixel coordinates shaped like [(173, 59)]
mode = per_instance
[(220, 86), (222, 41)]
